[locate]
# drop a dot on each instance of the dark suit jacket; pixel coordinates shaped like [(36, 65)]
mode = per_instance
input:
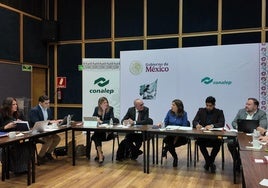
[(217, 118), (144, 116), (36, 114), (107, 116)]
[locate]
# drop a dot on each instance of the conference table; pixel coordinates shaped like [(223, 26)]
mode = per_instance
[(106, 128), (253, 172), (31, 138), (190, 133)]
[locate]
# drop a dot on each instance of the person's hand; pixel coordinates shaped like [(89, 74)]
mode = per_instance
[(263, 138), (208, 127), (130, 121), (198, 127), (261, 130), (159, 124), (99, 121), (10, 125)]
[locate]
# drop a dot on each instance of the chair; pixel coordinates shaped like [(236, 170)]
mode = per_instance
[(196, 153), (37, 141), (189, 149), (89, 141)]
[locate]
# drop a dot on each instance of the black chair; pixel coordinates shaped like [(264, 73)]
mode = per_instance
[(196, 153), (189, 149), (89, 141)]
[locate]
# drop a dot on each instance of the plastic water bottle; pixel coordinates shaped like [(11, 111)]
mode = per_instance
[(163, 125), (68, 120), (111, 122), (255, 139)]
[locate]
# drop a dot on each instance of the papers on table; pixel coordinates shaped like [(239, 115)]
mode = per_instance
[(264, 182), (176, 127), (2, 134)]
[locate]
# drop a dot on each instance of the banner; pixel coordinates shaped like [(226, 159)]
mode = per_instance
[(230, 73), (100, 79)]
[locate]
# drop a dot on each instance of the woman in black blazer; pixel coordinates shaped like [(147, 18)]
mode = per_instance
[(105, 113)]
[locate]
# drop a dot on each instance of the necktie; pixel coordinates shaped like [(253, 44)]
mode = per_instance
[(139, 116)]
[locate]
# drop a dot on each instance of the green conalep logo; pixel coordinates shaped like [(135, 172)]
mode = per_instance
[(207, 80), (101, 82)]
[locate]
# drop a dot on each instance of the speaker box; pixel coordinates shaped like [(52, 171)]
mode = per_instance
[(49, 31)]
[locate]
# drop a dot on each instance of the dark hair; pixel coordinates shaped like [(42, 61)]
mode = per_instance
[(43, 98), (211, 100), (255, 101), (180, 107), (7, 106)]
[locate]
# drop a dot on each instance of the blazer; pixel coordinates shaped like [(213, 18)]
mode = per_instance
[(107, 116), (217, 118), (36, 114), (144, 116), (259, 115)]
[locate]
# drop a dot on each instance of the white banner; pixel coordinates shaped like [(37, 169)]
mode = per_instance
[(230, 73), (100, 79)]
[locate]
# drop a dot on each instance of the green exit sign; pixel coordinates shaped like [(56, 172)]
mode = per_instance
[(80, 67), (27, 68)]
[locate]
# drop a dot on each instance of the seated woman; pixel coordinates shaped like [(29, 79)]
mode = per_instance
[(19, 152), (175, 116), (104, 112)]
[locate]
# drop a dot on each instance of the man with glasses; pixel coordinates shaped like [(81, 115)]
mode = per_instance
[(136, 115), (42, 112)]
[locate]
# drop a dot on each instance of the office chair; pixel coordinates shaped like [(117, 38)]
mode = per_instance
[(189, 150), (89, 141), (196, 152)]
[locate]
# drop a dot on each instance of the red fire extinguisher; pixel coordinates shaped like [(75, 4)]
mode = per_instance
[(59, 95)]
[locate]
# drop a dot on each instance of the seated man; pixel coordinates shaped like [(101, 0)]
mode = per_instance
[(137, 115), (208, 118), (250, 112), (41, 112)]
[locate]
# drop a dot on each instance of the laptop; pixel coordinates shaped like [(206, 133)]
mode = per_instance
[(64, 121), (90, 122), (247, 126), (22, 126), (40, 126)]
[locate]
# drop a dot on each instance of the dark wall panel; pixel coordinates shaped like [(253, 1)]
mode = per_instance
[(34, 50), (241, 14), (162, 43), (199, 17), (98, 50), (97, 19), (241, 38), (15, 82), (69, 19), (77, 112), (69, 57), (199, 41), (128, 18), (9, 35), (163, 17)]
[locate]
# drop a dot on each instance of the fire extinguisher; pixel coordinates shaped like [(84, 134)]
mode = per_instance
[(59, 95)]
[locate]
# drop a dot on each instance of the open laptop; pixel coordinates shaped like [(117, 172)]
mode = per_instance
[(90, 121), (22, 126), (40, 126), (64, 121), (247, 126)]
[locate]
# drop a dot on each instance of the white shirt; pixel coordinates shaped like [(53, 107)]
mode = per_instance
[(250, 117), (44, 111)]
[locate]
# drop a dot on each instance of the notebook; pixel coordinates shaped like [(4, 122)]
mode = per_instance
[(247, 126), (22, 126), (64, 121), (90, 122), (2, 134), (40, 126)]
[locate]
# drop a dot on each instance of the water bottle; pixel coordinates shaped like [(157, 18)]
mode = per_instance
[(111, 122), (68, 120), (163, 125), (255, 138)]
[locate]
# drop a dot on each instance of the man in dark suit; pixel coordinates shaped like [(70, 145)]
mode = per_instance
[(42, 112), (208, 118), (136, 115)]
